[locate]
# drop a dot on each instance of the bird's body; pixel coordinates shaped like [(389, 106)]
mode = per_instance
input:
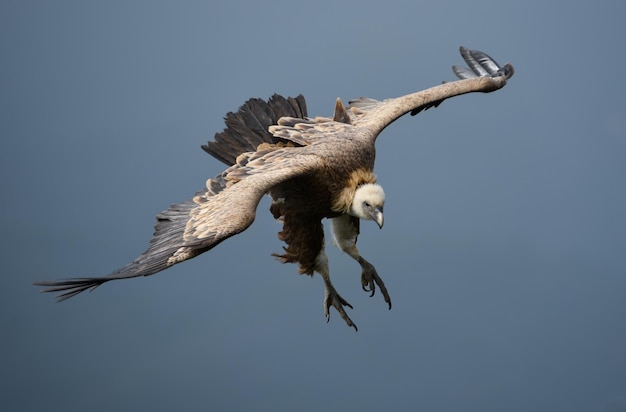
[(312, 168)]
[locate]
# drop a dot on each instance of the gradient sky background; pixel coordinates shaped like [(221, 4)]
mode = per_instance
[(504, 240)]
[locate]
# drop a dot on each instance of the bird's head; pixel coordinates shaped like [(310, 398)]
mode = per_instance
[(368, 203)]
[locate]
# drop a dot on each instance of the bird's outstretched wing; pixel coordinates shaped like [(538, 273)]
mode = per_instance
[(296, 145), (247, 128), (485, 75), (226, 207)]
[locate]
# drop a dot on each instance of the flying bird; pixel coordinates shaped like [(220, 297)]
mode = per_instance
[(311, 167)]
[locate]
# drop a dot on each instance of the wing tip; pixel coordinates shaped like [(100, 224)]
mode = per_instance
[(69, 287), (481, 65)]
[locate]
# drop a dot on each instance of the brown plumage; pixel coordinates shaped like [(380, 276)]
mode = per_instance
[(312, 168)]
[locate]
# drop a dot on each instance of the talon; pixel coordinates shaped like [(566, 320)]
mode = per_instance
[(368, 285), (335, 300), (370, 278)]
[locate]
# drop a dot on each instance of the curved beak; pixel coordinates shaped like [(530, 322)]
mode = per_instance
[(378, 217)]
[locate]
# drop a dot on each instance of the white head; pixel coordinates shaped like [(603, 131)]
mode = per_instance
[(368, 203)]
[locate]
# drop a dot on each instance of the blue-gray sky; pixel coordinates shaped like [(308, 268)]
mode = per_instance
[(504, 239)]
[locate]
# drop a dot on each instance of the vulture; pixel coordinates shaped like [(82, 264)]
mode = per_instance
[(311, 167)]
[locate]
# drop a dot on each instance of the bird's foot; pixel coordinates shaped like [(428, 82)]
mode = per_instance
[(332, 298), (369, 280)]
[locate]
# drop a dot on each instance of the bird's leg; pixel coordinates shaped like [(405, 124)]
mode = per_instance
[(331, 297), (346, 231)]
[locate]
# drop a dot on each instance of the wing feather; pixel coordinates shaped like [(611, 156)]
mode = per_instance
[(312, 131), (247, 128), (185, 230), (485, 76)]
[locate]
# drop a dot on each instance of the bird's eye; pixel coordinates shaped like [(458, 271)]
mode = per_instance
[(366, 204)]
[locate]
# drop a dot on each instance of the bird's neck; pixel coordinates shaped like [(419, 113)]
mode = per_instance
[(342, 200)]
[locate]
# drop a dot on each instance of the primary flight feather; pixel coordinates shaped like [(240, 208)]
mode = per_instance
[(312, 168)]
